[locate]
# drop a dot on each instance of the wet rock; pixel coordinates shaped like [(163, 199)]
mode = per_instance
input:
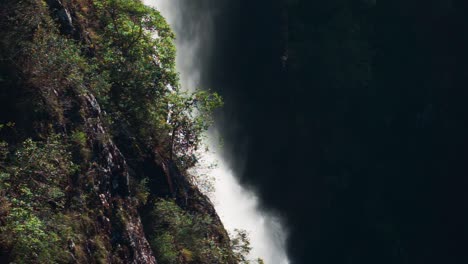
[(62, 15), (111, 174)]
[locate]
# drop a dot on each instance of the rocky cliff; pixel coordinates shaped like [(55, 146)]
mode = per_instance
[(96, 139)]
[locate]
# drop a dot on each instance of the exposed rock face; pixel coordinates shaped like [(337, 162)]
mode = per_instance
[(62, 15), (112, 177), (110, 172)]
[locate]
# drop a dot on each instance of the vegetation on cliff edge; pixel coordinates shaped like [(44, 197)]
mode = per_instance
[(86, 83)]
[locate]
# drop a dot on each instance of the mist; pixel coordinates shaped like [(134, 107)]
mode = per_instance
[(237, 206)]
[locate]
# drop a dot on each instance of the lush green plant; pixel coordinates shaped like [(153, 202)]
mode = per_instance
[(190, 115), (101, 254), (165, 249), (132, 74), (42, 169), (79, 140), (137, 55), (32, 240), (180, 237), (3, 151), (240, 246), (32, 180), (79, 137), (50, 64), (142, 191)]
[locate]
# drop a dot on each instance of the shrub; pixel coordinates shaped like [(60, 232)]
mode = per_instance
[(142, 191), (79, 137), (41, 170), (32, 181), (190, 115), (80, 145), (30, 238), (137, 55), (165, 249), (179, 237)]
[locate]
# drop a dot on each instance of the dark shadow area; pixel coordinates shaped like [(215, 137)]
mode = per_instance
[(350, 119)]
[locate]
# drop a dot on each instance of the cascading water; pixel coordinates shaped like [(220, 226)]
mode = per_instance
[(237, 207)]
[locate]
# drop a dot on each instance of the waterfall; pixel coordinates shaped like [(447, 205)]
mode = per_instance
[(237, 207)]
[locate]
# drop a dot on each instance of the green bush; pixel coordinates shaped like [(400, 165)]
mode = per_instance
[(165, 249), (142, 191), (31, 239), (179, 237), (79, 137), (190, 115), (240, 246), (32, 180), (137, 55), (80, 145)]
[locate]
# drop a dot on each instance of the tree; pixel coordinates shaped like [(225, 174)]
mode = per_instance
[(240, 246), (190, 115)]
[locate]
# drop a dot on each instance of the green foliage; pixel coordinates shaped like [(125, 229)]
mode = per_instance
[(165, 249), (101, 254), (8, 125), (189, 116), (179, 237), (132, 74), (32, 179), (137, 31), (49, 64), (240, 246), (32, 241), (39, 163), (55, 61), (79, 137), (3, 151), (137, 55), (80, 145), (142, 191)]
